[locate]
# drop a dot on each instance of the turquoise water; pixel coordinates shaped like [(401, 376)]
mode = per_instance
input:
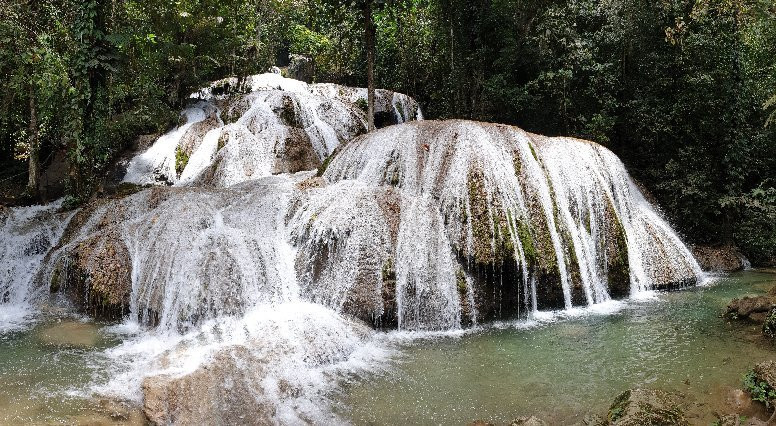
[(45, 369), (564, 369), (558, 369)]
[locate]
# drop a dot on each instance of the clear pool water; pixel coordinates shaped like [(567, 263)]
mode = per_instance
[(559, 367), (562, 369)]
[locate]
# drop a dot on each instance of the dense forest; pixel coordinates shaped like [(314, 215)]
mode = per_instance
[(684, 91)]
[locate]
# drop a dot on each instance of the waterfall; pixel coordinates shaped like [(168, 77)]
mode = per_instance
[(274, 125), (27, 234), (241, 254), (427, 225)]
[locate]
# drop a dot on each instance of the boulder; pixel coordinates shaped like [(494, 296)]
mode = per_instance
[(751, 308), (591, 420), (641, 407), (97, 276), (766, 372), (301, 68), (769, 324), (222, 392), (718, 259), (94, 270)]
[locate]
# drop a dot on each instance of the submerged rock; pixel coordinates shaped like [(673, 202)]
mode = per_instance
[(592, 420), (70, 334), (643, 407), (738, 420)]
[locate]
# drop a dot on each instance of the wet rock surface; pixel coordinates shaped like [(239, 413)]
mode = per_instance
[(718, 258), (753, 309), (223, 392), (95, 269), (528, 421)]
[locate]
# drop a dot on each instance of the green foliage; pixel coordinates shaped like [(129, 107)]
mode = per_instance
[(759, 390), (362, 104), (769, 325), (770, 104), (181, 159), (681, 90)]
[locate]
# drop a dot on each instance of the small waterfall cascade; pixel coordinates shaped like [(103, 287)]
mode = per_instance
[(427, 225), (542, 223), (275, 125), (28, 233)]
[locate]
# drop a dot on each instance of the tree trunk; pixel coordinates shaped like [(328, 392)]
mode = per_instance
[(34, 162), (369, 36)]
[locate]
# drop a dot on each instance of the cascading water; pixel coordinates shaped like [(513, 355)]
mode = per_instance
[(27, 235), (252, 267), (279, 125)]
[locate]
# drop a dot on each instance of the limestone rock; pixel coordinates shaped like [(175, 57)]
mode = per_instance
[(766, 372), (97, 276), (750, 308), (480, 423), (769, 324), (641, 407), (736, 420), (718, 259), (301, 68), (223, 392)]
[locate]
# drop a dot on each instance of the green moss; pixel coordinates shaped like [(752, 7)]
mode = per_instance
[(533, 151), (324, 166), (388, 273), (181, 159), (618, 266), (529, 250), (363, 104), (482, 232), (126, 188), (56, 279), (460, 281), (395, 178), (288, 113), (517, 164), (588, 224), (222, 141)]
